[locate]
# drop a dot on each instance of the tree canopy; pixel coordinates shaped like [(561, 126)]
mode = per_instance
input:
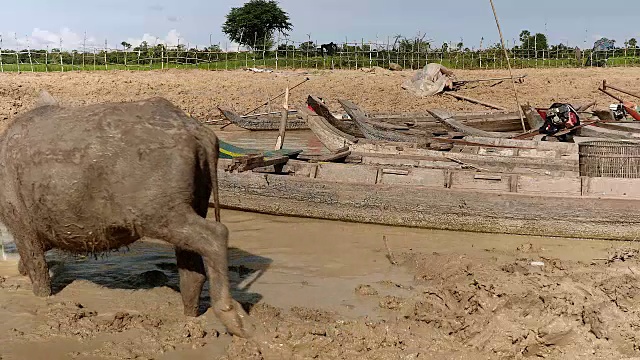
[(604, 44), (533, 42), (255, 23)]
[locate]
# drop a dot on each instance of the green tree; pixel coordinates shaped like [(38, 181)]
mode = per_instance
[(213, 48), (307, 46), (531, 43), (632, 43), (255, 23), (143, 47), (125, 45), (284, 47), (414, 45)]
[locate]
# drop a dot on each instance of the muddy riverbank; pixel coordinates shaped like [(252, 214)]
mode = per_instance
[(327, 290)]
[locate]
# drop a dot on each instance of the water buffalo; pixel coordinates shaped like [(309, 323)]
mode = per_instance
[(95, 178)]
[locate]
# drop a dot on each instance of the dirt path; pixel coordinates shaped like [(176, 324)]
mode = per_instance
[(326, 290), (201, 91)]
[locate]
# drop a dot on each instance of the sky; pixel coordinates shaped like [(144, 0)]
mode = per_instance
[(41, 23)]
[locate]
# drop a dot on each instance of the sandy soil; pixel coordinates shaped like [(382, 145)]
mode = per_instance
[(200, 92), (326, 290)]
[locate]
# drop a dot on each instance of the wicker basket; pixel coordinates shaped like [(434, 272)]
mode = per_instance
[(614, 159)]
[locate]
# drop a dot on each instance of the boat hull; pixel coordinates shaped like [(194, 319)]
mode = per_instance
[(488, 208)]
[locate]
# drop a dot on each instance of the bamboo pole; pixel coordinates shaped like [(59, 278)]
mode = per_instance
[(283, 120), (506, 54)]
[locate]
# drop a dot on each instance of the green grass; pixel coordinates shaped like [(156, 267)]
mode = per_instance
[(233, 62)]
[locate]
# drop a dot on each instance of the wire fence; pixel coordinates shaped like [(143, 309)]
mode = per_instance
[(307, 55)]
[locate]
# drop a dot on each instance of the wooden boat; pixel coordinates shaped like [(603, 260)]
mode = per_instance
[(487, 121), (263, 122), (488, 153), (449, 199), (406, 129)]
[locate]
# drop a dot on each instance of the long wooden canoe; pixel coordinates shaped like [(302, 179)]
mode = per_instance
[(567, 206)]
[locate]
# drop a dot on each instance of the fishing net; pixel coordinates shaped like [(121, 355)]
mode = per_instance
[(430, 80)]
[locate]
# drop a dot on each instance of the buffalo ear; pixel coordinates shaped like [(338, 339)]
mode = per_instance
[(45, 99)]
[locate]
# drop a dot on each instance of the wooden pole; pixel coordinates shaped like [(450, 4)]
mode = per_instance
[(283, 120), (506, 54), (476, 101), (610, 94), (636, 95)]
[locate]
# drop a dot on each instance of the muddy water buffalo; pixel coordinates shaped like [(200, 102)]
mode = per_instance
[(94, 178)]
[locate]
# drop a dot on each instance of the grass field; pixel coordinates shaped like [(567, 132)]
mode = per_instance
[(233, 61)]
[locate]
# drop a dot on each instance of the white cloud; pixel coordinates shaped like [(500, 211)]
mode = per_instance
[(172, 38), (40, 39)]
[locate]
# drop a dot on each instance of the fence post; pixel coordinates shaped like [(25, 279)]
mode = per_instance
[(84, 49), (340, 56), (388, 53), (60, 54), (209, 54), (29, 53), (370, 60), (277, 49)]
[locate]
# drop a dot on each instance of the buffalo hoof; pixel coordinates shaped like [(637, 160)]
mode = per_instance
[(22, 269), (41, 290), (235, 319)]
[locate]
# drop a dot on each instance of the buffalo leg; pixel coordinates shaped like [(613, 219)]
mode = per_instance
[(22, 268), (192, 278), (33, 262), (193, 233)]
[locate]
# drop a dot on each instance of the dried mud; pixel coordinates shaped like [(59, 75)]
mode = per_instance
[(200, 92), (473, 307)]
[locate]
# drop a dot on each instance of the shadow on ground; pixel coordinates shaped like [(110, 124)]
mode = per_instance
[(147, 265)]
